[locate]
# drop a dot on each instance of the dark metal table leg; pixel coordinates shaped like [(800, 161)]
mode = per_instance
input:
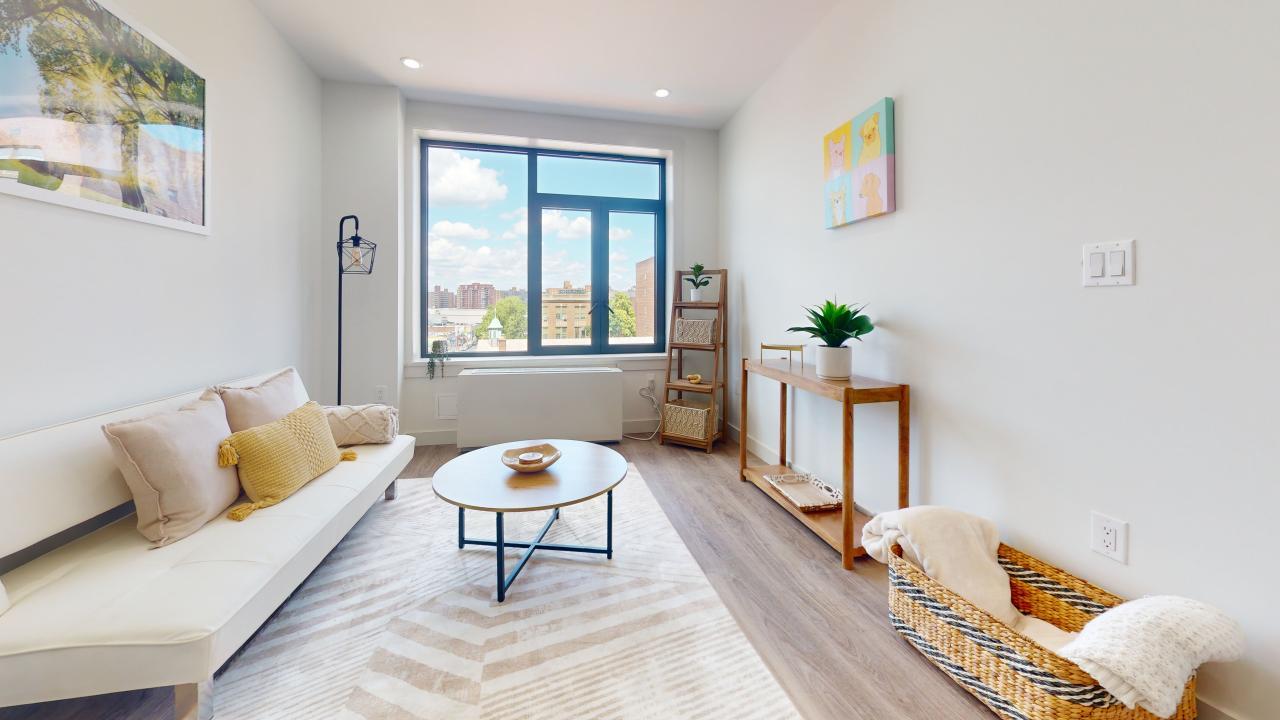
[(609, 528), (462, 521), (501, 548)]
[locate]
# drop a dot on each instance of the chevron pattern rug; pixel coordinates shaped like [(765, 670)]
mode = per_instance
[(398, 623)]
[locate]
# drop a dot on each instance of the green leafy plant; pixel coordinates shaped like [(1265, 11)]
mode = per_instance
[(698, 280), (435, 359), (835, 324)]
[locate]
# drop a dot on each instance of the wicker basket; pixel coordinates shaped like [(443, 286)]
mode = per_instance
[(688, 419), (1015, 677), (697, 332)]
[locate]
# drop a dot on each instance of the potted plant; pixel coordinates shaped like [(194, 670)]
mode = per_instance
[(835, 324), (698, 281), (435, 359)]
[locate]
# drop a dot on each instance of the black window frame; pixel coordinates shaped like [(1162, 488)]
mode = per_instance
[(599, 207)]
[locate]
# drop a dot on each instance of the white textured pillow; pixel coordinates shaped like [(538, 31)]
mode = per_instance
[(363, 424)]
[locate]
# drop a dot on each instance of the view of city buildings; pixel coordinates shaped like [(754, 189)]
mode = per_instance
[(467, 318)]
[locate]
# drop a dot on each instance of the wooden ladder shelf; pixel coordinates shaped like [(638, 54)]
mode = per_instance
[(713, 388)]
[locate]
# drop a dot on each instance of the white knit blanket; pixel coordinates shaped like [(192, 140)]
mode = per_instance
[(1145, 650)]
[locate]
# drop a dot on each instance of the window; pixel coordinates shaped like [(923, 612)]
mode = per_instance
[(541, 252)]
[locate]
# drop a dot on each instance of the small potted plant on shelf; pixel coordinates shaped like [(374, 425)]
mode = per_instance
[(834, 325), (698, 281)]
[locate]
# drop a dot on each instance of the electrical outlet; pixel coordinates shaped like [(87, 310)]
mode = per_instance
[(380, 393), (1109, 537)]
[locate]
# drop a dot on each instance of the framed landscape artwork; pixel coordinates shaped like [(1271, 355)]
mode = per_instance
[(97, 115), (857, 167)]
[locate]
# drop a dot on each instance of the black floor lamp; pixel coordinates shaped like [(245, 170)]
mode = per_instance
[(355, 257)]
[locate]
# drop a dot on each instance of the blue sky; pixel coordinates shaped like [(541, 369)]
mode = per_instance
[(478, 224)]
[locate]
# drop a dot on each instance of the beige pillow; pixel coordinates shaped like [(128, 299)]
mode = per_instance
[(170, 462), (260, 404), (362, 424)]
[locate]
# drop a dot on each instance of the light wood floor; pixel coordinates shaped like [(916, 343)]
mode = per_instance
[(823, 631)]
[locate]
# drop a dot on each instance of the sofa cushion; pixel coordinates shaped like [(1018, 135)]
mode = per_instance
[(276, 459), (170, 463), (4, 599), (269, 401), (109, 612), (363, 424)]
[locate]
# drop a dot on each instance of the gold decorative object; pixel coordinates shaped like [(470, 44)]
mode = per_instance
[(694, 378), (789, 348), (534, 458)]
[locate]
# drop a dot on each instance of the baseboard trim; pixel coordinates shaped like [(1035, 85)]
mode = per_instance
[(434, 437), (1210, 712)]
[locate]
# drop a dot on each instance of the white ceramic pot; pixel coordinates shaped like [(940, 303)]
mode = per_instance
[(695, 294), (834, 363)]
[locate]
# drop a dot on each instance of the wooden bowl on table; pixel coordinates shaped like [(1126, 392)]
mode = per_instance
[(531, 459)]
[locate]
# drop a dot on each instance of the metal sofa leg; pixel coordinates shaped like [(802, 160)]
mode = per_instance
[(390, 494), (193, 701)]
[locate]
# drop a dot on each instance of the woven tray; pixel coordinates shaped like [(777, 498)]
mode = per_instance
[(806, 492)]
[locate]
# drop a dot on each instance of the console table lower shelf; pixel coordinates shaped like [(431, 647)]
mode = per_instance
[(842, 528), (826, 524)]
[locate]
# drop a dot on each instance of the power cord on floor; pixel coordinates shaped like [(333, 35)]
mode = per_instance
[(647, 393)]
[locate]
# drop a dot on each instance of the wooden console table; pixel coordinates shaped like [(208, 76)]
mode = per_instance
[(841, 529)]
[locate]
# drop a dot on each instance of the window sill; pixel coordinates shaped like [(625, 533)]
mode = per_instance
[(625, 361)]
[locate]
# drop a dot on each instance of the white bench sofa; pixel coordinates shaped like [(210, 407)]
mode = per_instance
[(108, 612)]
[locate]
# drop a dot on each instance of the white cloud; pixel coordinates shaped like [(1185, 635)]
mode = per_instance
[(454, 263), (456, 180), (619, 233), (555, 222), (521, 226), (459, 230)]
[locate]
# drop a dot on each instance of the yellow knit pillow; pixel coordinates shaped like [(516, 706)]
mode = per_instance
[(278, 458)]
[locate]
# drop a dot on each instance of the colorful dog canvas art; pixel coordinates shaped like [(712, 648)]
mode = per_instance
[(858, 165)]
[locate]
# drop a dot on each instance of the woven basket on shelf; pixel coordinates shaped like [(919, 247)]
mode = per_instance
[(699, 332), (1014, 676), (688, 419)]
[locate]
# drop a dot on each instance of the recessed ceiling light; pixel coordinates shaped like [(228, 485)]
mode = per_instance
[(410, 63), (661, 92)]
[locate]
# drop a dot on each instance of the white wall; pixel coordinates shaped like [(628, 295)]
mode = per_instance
[(1023, 131), (363, 131), (103, 312), (692, 237)]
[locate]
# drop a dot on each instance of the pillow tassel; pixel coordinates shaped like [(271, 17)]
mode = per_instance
[(227, 455), (348, 455), (244, 510)]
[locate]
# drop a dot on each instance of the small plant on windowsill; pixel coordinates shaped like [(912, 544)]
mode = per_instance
[(835, 325), (698, 281), (435, 359)]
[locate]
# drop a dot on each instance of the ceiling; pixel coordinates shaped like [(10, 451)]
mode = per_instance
[(599, 58)]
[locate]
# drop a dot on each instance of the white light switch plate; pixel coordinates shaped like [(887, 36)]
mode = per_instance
[(1117, 263)]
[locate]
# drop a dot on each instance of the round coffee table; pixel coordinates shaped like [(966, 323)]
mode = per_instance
[(478, 480)]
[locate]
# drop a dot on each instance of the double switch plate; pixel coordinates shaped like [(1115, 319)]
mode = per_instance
[(1108, 263)]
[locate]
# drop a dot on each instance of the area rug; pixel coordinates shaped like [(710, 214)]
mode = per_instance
[(399, 623)]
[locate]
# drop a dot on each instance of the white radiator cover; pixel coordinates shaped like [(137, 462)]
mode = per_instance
[(498, 405)]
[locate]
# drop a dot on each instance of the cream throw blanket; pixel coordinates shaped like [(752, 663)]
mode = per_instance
[(1144, 651), (959, 551)]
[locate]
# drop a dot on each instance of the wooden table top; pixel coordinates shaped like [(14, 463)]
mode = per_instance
[(478, 480), (860, 389)]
